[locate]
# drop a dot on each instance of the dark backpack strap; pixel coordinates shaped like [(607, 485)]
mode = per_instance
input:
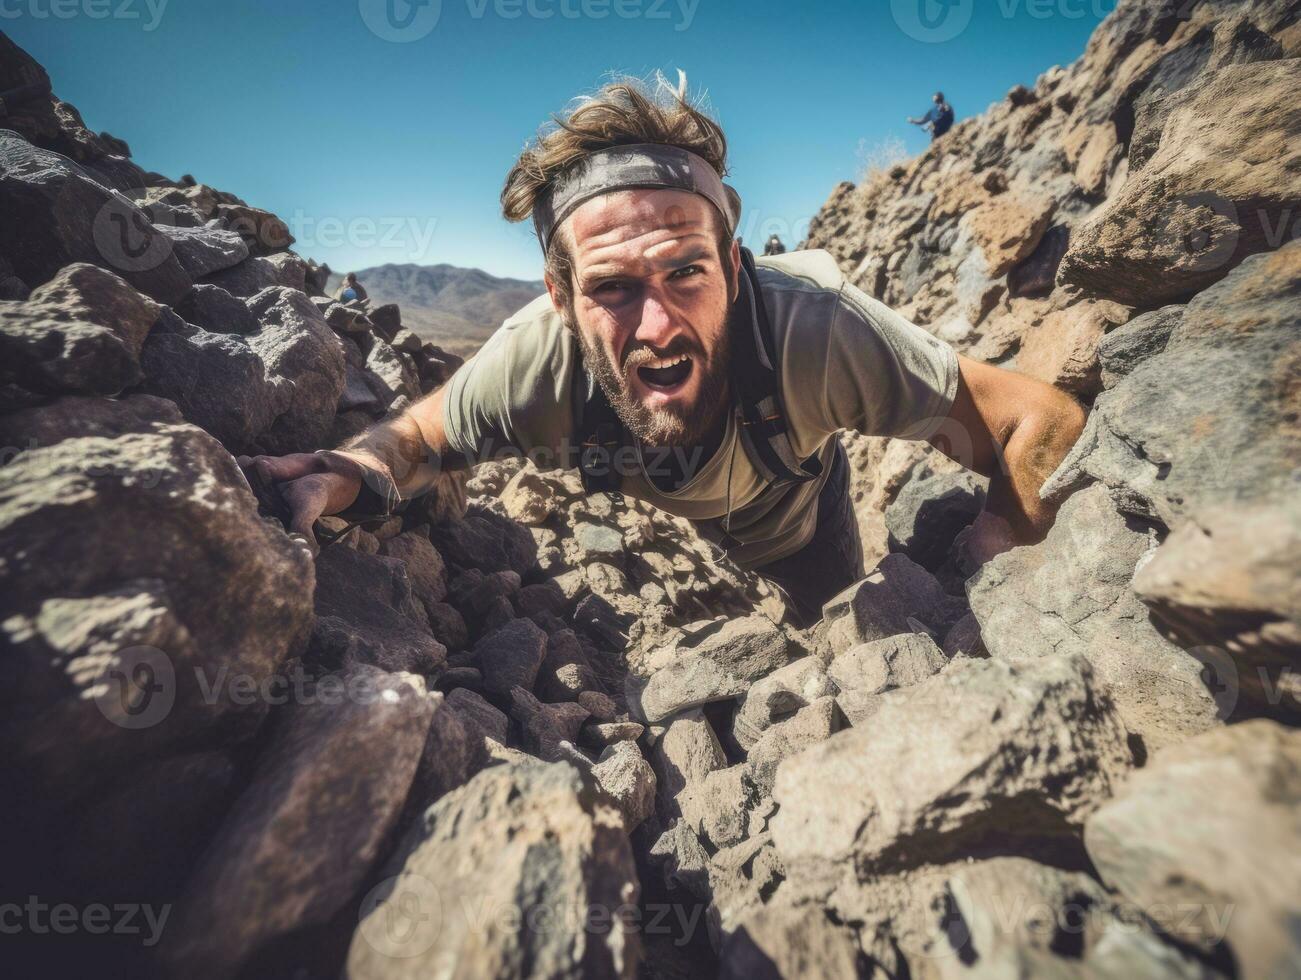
[(764, 431), (601, 433)]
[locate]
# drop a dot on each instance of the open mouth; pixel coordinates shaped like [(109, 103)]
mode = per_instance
[(666, 373)]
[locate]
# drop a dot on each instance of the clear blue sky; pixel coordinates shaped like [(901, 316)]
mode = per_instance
[(378, 150)]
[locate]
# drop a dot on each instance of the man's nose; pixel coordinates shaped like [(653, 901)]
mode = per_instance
[(656, 327)]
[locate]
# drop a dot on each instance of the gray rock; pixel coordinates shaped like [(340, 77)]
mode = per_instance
[(485, 541), (1207, 839), (366, 613), (57, 213), (212, 308), (257, 273), (597, 542), (549, 730), (518, 844), (929, 511), (206, 249), (779, 696), (716, 808), (80, 333), (777, 941), (424, 564), (628, 779), (884, 665), (684, 752), (447, 625), (1072, 594), (898, 596), (719, 662), (1122, 350), (950, 763), (136, 574), (478, 715), (682, 859), (511, 657), (301, 838), (812, 724)]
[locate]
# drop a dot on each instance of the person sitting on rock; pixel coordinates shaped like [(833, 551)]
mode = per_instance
[(351, 292), (938, 119), (774, 246), (665, 363)]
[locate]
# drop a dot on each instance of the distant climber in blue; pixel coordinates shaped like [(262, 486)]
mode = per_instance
[(939, 120)]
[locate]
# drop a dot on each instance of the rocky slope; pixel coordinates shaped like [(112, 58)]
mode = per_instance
[(523, 732), (456, 308)]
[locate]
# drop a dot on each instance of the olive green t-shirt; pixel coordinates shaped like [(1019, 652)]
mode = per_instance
[(846, 361)]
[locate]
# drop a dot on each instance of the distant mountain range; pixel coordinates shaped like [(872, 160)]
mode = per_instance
[(456, 308)]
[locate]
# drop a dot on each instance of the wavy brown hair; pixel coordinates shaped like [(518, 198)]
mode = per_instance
[(625, 111)]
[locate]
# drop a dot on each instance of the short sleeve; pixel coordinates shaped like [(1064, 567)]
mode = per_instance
[(513, 396), (850, 362)]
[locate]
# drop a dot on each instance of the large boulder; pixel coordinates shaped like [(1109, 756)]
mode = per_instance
[(205, 249), (1073, 594), (1209, 836), (139, 584), (898, 596), (80, 334), (1204, 437), (56, 214), (984, 754), (302, 836), (522, 872), (1224, 183)]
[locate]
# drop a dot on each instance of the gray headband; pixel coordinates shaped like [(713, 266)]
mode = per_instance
[(640, 165)]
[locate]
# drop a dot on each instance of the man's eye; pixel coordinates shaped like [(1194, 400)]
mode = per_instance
[(612, 286), (687, 271)]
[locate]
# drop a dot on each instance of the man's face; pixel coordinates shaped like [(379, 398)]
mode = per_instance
[(651, 302)]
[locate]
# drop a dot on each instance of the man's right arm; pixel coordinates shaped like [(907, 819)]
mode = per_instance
[(397, 459)]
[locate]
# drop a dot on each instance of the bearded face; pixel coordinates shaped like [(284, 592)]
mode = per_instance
[(653, 286)]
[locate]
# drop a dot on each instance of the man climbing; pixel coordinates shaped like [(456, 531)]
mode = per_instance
[(352, 292), (774, 246), (939, 119), (665, 363)]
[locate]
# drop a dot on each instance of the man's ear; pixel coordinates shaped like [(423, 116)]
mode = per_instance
[(551, 291), (736, 270)]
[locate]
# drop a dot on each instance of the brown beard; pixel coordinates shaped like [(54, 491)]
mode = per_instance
[(687, 427)]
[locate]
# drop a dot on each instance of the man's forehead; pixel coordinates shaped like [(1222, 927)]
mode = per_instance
[(638, 216)]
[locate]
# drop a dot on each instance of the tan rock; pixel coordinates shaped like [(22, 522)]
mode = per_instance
[(1008, 228), (1063, 350)]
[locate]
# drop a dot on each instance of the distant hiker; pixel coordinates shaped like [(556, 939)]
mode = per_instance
[(939, 120), (774, 246), (351, 291), (666, 363)]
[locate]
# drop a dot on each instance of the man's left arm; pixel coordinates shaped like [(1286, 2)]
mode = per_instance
[(1014, 430)]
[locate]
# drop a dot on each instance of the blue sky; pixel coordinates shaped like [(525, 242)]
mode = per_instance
[(382, 132)]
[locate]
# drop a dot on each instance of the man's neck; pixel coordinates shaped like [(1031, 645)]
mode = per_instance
[(670, 469)]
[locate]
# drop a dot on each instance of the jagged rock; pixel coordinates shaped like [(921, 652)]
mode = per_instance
[(601, 735), (529, 497), (135, 573), (291, 854), (511, 656), (718, 662), (898, 596), (212, 308), (57, 214), (396, 375), (478, 714), (930, 510), (524, 839), (257, 273), (1129, 345), (1221, 184), (685, 751), (812, 724), (454, 751), (546, 727), (779, 696), (1072, 594), (965, 639), (1063, 350), (979, 752), (715, 808), (485, 541), (424, 565), (366, 613), (1206, 838), (1007, 228), (1037, 273), (305, 360), (447, 625), (776, 941), (204, 250), (80, 333), (261, 231), (566, 671), (597, 542), (1205, 428), (870, 669), (682, 858), (628, 780), (740, 878)]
